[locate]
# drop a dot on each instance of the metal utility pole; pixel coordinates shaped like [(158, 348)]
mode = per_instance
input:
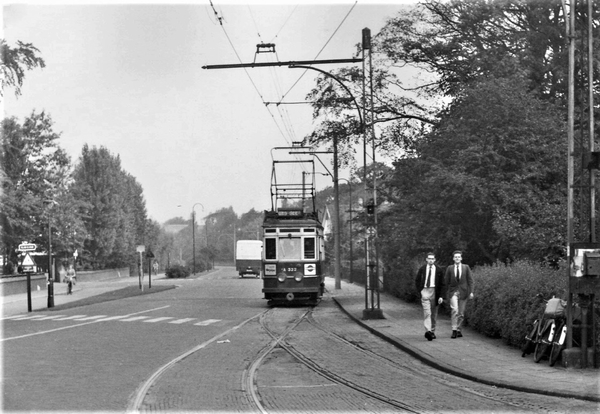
[(372, 303), (583, 272)]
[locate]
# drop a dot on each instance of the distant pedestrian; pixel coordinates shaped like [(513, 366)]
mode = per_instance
[(430, 284), (71, 277), (459, 284)]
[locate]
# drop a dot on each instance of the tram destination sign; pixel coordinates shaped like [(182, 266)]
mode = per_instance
[(27, 247)]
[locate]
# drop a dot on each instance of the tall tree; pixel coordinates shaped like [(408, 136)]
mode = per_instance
[(115, 216), (490, 179), (36, 170)]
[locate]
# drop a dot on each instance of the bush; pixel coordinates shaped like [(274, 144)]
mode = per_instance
[(505, 303), (177, 271)]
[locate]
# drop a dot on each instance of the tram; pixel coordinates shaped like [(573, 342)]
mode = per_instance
[(293, 239)]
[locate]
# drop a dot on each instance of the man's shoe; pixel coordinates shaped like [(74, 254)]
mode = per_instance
[(428, 335), (454, 334), (459, 334), (433, 335)]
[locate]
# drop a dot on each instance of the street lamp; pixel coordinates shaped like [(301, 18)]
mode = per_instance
[(194, 233)]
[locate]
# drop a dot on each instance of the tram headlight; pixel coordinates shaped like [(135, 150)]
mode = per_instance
[(298, 277), (281, 277)]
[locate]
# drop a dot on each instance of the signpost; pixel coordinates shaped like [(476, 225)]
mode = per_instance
[(28, 266)]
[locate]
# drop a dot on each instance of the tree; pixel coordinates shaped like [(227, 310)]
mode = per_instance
[(15, 61), (490, 179), (462, 41), (36, 170), (115, 216)]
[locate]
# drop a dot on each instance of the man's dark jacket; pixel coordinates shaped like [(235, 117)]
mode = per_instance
[(440, 287)]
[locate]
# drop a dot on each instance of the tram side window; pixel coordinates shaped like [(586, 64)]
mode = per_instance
[(309, 248), (270, 249)]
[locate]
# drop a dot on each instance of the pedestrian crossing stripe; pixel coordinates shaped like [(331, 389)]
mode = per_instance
[(105, 318)]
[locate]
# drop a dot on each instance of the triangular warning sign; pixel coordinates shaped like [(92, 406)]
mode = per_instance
[(28, 261)]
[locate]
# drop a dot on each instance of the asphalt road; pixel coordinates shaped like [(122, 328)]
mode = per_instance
[(212, 344)]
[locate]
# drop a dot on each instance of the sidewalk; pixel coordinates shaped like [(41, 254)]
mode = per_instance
[(481, 359), (17, 304)]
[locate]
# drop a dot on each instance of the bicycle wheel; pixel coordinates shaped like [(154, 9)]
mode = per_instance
[(555, 353), (558, 344), (529, 341), (540, 350)]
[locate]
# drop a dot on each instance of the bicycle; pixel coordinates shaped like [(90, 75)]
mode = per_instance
[(559, 342), (542, 335)]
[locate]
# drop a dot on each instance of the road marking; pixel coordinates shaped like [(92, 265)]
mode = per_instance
[(135, 318), (207, 322), (23, 318), (112, 318), (162, 318), (13, 317), (74, 326), (182, 320), (70, 317), (89, 318), (50, 317)]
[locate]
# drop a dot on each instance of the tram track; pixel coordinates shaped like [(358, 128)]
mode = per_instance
[(279, 340), (391, 362)]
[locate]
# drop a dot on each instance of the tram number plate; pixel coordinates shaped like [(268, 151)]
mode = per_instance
[(290, 269)]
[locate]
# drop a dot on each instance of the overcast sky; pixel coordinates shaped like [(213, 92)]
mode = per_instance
[(129, 77)]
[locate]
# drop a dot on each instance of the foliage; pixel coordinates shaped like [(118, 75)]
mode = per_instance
[(488, 180), (15, 61), (115, 216), (505, 303), (35, 187), (177, 271), (463, 41)]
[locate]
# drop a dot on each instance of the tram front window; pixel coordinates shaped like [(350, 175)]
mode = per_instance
[(290, 249)]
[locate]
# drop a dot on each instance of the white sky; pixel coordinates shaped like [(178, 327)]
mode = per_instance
[(129, 77)]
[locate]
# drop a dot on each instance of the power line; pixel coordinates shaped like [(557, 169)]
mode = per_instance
[(324, 46)]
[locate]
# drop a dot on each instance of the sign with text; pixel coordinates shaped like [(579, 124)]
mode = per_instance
[(27, 247)]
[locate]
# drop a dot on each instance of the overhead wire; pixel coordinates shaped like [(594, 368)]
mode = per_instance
[(220, 20), (320, 51)]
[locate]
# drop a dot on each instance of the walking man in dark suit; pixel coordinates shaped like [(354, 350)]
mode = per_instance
[(459, 282), (430, 284)]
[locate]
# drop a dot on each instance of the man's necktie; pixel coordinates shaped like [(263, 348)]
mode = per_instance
[(457, 274), (428, 277)]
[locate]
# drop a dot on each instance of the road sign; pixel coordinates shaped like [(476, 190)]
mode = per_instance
[(371, 231), (28, 264), (27, 247), (140, 248)]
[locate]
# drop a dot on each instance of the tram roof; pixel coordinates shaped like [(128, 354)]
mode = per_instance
[(300, 219)]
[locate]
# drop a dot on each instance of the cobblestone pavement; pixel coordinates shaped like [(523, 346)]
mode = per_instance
[(475, 357), (210, 380)]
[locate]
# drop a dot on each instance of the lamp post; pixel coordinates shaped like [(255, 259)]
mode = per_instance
[(194, 234)]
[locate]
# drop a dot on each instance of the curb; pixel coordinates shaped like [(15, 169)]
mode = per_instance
[(459, 373)]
